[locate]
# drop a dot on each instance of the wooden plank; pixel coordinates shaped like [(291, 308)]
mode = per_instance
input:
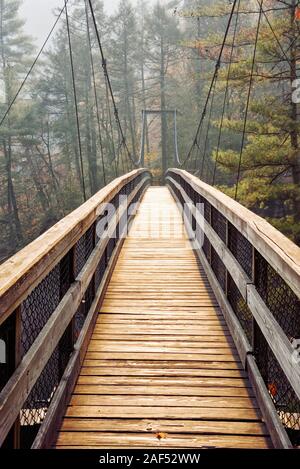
[(97, 342), (160, 356), (190, 339), (163, 321), (104, 440), (97, 346), (167, 401), (166, 426), (152, 381), (162, 329), (166, 390), (159, 372), (137, 362), (232, 414)]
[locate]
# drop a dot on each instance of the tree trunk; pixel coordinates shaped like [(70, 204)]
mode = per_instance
[(13, 210), (164, 129), (294, 110), (127, 96), (39, 188)]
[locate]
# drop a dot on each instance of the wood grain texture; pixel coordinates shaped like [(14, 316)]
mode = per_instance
[(281, 253), (161, 358), (22, 272)]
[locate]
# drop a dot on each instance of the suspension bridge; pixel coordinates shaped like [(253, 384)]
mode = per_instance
[(179, 328)]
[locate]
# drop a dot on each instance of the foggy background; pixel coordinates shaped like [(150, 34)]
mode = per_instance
[(39, 16)]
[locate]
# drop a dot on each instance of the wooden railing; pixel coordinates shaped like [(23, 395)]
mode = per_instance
[(255, 274), (49, 294)]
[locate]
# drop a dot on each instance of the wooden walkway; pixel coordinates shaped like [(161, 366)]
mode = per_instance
[(161, 369)]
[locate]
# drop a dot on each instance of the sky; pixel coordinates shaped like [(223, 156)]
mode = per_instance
[(39, 16)]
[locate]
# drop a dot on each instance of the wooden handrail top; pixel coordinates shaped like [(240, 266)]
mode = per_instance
[(280, 252), (21, 273)]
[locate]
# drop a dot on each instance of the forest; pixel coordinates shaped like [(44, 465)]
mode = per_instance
[(62, 137)]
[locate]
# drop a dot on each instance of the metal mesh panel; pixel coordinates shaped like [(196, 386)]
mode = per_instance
[(100, 272), (241, 248), (84, 308), (284, 398), (39, 399), (83, 249), (37, 308), (7, 350), (206, 248), (278, 296), (240, 308), (219, 224), (218, 268), (207, 210)]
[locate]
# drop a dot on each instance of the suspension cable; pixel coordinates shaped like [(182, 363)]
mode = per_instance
[(226, 93), (248, 100), (208, 129), (215, 75), (275, 35), (33, 65), (104, 66), (112, 142), (76, 103), (95, 92), (197, 171)]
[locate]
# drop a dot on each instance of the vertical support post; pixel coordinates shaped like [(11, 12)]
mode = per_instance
[(210, 222), (67, 277), (176, 154), (253, 278), (144, 123), (227, 273), (10, 335), (18, 358)]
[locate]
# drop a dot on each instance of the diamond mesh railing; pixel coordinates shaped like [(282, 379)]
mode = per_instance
[(32, 312), (253, 259)]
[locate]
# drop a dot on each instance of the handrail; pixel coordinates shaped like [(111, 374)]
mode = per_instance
[(254, 271), (280, 252), (49, 309), (20, 274)]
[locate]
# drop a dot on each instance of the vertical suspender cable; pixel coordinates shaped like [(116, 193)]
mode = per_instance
[(215, 75), (76, 104), (104, 65), (248, 101), (95, 91), (226, 93), (114, 154), (208, 128)]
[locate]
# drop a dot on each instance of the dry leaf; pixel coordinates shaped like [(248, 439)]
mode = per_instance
[(161, 435)]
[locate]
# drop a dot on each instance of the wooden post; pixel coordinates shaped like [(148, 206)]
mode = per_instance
[(18, 358), (254, 325), (13, 355), (227, 273)]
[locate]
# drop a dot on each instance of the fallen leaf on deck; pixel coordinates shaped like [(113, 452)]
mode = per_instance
[(161, 435)]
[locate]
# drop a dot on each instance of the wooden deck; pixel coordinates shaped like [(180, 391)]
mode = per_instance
[(161, 369)]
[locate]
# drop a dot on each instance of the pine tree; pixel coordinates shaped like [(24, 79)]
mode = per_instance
[(163, 38), (15, 51)]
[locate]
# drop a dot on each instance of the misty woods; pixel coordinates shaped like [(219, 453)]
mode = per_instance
[(60, 141)]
